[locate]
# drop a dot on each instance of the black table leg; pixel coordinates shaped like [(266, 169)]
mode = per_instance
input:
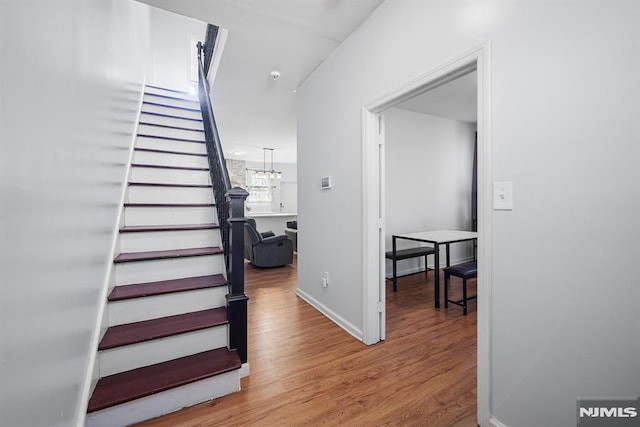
[(436, 269), (395, 277), (448, 259)]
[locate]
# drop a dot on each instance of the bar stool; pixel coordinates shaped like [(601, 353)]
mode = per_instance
[(464, 271)]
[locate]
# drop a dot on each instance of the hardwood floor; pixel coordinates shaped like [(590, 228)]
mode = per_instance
[(305, 370)]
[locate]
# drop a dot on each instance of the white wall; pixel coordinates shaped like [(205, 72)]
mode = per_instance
[(565, 100), (170, 44), (429, 169), (71, 78)]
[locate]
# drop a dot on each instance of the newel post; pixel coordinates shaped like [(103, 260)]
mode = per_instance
[(236, 298)]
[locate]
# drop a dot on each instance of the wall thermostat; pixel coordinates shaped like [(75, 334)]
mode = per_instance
[(325, 182)]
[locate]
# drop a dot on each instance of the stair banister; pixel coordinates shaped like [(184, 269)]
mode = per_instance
[(230, 206)]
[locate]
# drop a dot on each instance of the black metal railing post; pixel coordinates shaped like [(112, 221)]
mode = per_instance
[(236, 298)]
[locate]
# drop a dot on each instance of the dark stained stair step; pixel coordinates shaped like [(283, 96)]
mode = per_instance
[(169, 138), (153, 150), (158, 104), (147, 330), (140, 290), (177, 227), (169, 90), (171, 116), (168, 205), (185, 168), (166, 184), (167, 254), (127, 386), (170, 127), (172, 97)]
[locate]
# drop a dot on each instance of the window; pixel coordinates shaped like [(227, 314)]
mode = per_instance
[(259, 187)]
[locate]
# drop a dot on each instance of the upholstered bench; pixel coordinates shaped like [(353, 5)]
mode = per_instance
[(464, 271), (401, 254)]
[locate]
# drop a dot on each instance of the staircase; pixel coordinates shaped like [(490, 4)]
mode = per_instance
[(166, 344)]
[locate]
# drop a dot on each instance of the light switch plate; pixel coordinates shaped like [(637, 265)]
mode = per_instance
[(503, 196)]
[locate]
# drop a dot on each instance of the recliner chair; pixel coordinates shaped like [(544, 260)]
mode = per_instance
[(274, 251)]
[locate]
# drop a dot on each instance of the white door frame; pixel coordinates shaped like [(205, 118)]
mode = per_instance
[(373, 231)]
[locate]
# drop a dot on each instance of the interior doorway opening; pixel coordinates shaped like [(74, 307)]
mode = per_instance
[(374, 204)]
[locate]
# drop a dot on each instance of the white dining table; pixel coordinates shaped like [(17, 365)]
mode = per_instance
[(437, 238)]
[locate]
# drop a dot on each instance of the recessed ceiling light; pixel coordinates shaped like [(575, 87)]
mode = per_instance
[(237, 153), (275, 75)]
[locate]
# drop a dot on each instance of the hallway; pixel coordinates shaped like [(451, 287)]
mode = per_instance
[(307, 371)]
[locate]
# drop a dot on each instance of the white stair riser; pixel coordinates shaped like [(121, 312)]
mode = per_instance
[(169, 159), (165, 240), (128, 273), (168, 92), (126, 358), (170, 132), (170, 121), (149, 194), (166, 402), (155, 108), (169, 215), (153, 307), (170, 176), (171, 145), (170, 101)]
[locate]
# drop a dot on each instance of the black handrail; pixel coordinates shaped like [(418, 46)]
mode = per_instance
[(230, 207), (209, 44)]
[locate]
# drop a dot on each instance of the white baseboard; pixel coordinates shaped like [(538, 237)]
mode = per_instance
[(244, 370), (332, 315), (493, 421)]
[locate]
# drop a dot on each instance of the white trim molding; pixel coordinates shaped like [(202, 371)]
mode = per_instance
[(494, 422), (332, 315)]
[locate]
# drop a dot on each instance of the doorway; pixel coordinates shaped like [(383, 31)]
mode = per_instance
[(373, 176)]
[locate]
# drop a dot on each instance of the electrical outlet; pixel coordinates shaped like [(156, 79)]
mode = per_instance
[(325, 279)]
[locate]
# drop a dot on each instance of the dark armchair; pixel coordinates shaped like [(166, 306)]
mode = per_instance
[(274, 251)]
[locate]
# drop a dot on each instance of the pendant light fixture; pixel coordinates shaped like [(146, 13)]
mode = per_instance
[(264, 172)]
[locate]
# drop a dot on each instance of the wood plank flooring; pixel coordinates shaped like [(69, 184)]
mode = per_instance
[(306, 371)]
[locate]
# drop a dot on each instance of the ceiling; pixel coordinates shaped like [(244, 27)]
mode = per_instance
[(455, 100), (291, 36)]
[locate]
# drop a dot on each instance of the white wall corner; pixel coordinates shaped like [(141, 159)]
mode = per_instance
[(332, 315)]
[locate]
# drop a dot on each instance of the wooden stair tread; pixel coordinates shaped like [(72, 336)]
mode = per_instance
[(167, 254), (169, 138), (172, 97), (185, 168), (127, 386), (169, 90), (139, 290), (169, 126), (153, 150), (168, 205), (157, 104), (147, 330), (176, 227), (166, 184), (151, 113)]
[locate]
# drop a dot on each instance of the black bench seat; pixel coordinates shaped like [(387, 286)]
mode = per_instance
[(401, 254), (467, 270)]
